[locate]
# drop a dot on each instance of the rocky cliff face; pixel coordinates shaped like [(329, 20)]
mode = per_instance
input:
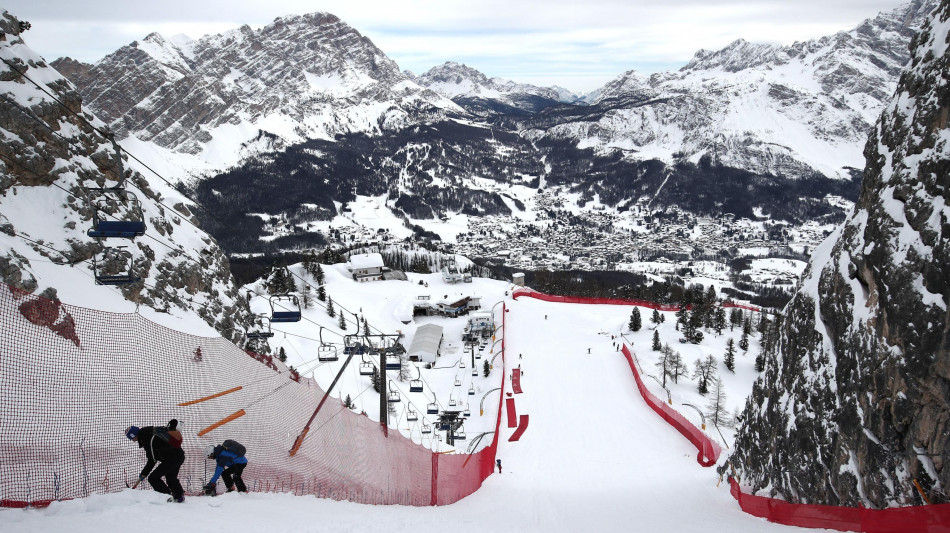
[(486, 96), (854, 406), (301, 77), (52, 152)]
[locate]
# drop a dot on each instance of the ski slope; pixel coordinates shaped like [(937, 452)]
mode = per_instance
[(594, 458)]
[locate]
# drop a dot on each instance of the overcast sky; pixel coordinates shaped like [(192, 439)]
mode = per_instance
[(576, 44)]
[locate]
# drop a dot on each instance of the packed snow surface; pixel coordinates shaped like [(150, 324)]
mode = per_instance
[(594, 457)]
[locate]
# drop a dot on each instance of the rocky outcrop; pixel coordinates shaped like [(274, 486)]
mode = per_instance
[(854, 406), (52, 152), (793, 111), (301, 77)]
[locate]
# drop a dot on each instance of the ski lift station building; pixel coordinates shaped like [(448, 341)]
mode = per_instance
[(426, 343), (366, 267)]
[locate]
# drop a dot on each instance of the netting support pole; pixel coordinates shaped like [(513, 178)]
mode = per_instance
[(306, 429)]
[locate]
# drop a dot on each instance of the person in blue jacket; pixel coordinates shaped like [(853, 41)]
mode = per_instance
[(229, 466)]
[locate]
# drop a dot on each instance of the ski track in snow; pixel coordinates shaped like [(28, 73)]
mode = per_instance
[(595, 457)]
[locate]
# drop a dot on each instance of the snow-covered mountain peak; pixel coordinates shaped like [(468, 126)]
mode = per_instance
[(737, 55)]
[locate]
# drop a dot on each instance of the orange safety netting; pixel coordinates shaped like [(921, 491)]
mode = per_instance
[(709, 449), (73, 379), (917, 519)]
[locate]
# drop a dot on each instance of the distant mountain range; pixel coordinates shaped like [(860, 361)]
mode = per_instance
[(309, 102)]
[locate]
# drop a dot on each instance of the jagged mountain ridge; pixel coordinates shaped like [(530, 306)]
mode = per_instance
[(854, 406), (781, 110), (49, 159), (301, 77), (484, 96)]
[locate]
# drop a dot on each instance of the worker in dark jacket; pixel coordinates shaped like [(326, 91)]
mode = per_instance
[(229, 466), (162, 445)]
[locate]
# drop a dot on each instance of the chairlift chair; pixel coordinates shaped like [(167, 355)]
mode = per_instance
[(290, 311), (460, 434), (458, 382), (432, 409), (426, 428), (393, 363), (415, 385), (471, 390), (105, 228), (393, 394), (259, 328), (412, 415), (474, 372), (327, 352), (467, 412), (107, 258), (452, 402), (462, 363), (366, 368)]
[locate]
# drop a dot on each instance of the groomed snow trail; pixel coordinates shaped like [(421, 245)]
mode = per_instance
[(595, 458)]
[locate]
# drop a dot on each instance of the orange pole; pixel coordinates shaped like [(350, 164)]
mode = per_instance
[(213, 396), (230, 418)]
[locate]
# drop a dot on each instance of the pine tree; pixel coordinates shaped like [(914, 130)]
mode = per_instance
[(719, 322), (705, 371), (744, 341), (330, 310), (375, 380), (635, 320), (282, 355), (306, 296), (319, 275), (716, 411), (656, 340), (679, 367), (321, 293), (760, 363), (342, 322), (348, 402), (664, 363), (655, 317), (486, 368), (365, 326), (730, 357), (735, 318)]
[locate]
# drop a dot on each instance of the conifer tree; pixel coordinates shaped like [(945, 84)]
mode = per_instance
[(342, 322), (321, 293), (719, 322), (319, 275), (760, 363), (704, 370), (744, 341), (330, 310), (486, 368), (635, 320), (655, 317), (348, 402), (716, 411), (282, 355), (730, 357), (679, 367), (375, 380), (656, 340)]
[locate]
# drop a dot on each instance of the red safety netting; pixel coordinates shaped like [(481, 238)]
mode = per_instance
[(919, 519), (72, 379), (522, 427), (709, 449), (516, 381), (531, 293), (512, 412)]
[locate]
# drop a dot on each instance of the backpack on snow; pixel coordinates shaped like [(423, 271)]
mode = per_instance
[(234, 447)]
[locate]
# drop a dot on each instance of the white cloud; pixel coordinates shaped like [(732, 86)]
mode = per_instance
[(576, 45)]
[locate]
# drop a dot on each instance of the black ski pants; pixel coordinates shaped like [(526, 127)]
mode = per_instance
[(232, 477), (168, 468)]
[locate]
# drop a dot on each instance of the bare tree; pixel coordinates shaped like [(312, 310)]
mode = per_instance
[(716, 410)]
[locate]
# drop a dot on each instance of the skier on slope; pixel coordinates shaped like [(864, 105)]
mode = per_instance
[(498, 463), (162, 445), (230, 463)]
